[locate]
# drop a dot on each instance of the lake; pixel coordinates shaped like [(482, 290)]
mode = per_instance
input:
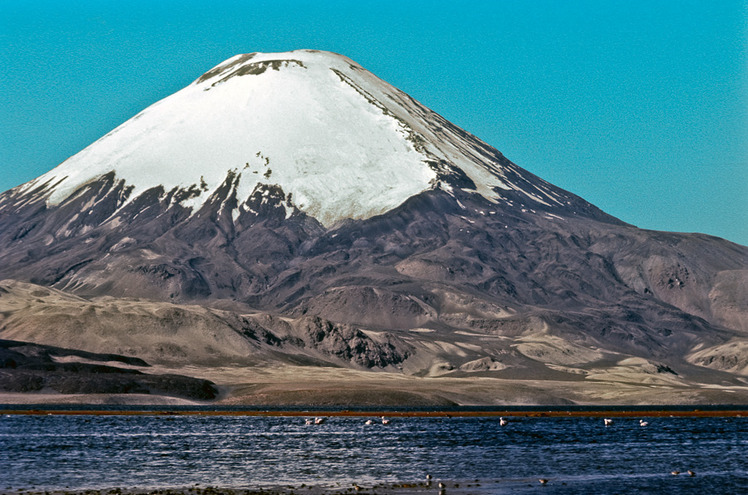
[(575, 455)]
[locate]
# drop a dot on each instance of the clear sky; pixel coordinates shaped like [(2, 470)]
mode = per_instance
[(639, 106)]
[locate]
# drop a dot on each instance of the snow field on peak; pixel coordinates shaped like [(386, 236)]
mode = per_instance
[(338, 140), (301, 127)]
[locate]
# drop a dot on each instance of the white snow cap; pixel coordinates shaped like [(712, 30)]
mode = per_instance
[(341, 141)]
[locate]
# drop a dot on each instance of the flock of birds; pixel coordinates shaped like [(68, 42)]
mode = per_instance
[(609, 422), (320, 420), (502, 422)]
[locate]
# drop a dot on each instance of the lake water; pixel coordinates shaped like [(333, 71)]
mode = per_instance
[(576, 455)]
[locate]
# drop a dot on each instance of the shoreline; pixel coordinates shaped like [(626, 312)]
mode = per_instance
[(528, 413), (451, 486), (442, 486), (394, 488)]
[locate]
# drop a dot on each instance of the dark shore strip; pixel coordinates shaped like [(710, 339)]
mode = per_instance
[(379, 489), (592, 413), (475, 487)]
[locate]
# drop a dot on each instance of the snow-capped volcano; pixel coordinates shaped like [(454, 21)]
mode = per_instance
[(294, 208), (340, 142)]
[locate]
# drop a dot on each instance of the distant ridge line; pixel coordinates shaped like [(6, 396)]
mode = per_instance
[(701, 412)]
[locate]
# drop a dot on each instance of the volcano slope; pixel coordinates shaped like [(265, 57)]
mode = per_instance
[(297, 231)]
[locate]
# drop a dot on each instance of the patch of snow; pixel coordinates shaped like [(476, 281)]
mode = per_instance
[(423, 330)]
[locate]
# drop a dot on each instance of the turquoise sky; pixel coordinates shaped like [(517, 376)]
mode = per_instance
[(640, 107)]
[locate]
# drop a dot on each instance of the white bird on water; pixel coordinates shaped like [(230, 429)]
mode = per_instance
[(503, 422), (608, 421), (643, 423), (369, 422), (385, 421), (319, 421)]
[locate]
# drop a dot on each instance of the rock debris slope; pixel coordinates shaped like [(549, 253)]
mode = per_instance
[(292, 209)]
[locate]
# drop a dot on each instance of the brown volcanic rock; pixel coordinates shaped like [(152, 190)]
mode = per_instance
[(174, 335)]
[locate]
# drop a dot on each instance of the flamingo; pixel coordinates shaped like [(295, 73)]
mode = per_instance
[(369, 422), (643, 423), (608, 421), (503, 422), (385, 421), (319, 421)]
